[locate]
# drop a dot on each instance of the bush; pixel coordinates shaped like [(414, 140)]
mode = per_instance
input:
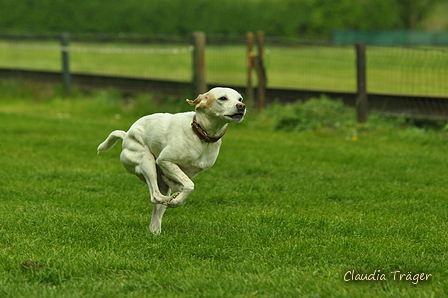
[(314, 114), (327, 116)]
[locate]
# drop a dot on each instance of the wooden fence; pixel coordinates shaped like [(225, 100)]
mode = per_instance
[(422, 107)]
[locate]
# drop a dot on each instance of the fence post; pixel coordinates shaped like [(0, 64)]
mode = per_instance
[(66, 77), (250, 67), (261, 71), (199, 80), (362, 104)]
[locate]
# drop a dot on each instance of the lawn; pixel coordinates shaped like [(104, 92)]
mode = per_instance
[(279, 215), (416, 71)]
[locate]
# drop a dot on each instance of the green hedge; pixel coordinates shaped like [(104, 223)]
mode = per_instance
[(178, 17)]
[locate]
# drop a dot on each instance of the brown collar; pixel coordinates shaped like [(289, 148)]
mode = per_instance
[(202, 134)]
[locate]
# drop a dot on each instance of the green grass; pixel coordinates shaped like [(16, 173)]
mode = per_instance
[(416, 71), (279, 215)]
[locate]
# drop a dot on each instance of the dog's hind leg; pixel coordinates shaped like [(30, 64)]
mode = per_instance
[(142, 164), (159, 209), (156, 219), (147, 169)]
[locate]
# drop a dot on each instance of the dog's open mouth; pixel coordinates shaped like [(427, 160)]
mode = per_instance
[(236, 117)]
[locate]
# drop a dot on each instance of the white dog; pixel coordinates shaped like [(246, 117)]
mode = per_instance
[(166, 150)]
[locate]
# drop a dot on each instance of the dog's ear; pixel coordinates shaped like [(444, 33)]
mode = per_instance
[(197, 100)]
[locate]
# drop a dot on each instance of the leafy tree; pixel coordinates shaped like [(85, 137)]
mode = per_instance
[(236, 17), (412, 12)]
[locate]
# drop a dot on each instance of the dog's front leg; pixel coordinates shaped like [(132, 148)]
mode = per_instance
[(178, 177), (173, 185)]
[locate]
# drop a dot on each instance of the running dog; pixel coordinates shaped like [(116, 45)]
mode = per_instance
[(167, 150)]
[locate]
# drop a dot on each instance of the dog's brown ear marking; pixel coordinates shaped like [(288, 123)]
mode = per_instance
[(202, 101), (196, 101)]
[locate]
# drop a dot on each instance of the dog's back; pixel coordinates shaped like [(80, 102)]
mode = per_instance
[(158, 131)]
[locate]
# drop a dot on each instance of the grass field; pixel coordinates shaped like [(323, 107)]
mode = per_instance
[(414, 71), (279, 215)]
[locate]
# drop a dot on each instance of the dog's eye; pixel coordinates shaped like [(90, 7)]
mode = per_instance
[(222, 98), (241, 100)]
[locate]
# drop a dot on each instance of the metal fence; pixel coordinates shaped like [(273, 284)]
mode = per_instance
[(400, 80)]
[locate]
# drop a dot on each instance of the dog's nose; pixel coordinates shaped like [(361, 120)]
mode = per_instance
[(241, 106)]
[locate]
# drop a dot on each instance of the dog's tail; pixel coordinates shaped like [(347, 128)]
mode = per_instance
[(111, 140)]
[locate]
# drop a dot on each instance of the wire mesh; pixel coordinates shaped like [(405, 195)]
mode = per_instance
[(311, 67), (289, 65), (407, 71), (154, 61), (167, 62), (29, 54)]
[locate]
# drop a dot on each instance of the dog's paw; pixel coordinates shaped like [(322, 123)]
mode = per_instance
[(155, 229), (161, 200), (173, 203)]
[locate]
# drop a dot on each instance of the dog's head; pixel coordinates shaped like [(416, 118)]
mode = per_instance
[(224, 103)]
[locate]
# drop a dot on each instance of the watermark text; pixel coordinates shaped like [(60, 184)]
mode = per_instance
[(379, 275)]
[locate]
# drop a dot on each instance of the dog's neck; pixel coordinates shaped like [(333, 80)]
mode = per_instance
[(206, 130)]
